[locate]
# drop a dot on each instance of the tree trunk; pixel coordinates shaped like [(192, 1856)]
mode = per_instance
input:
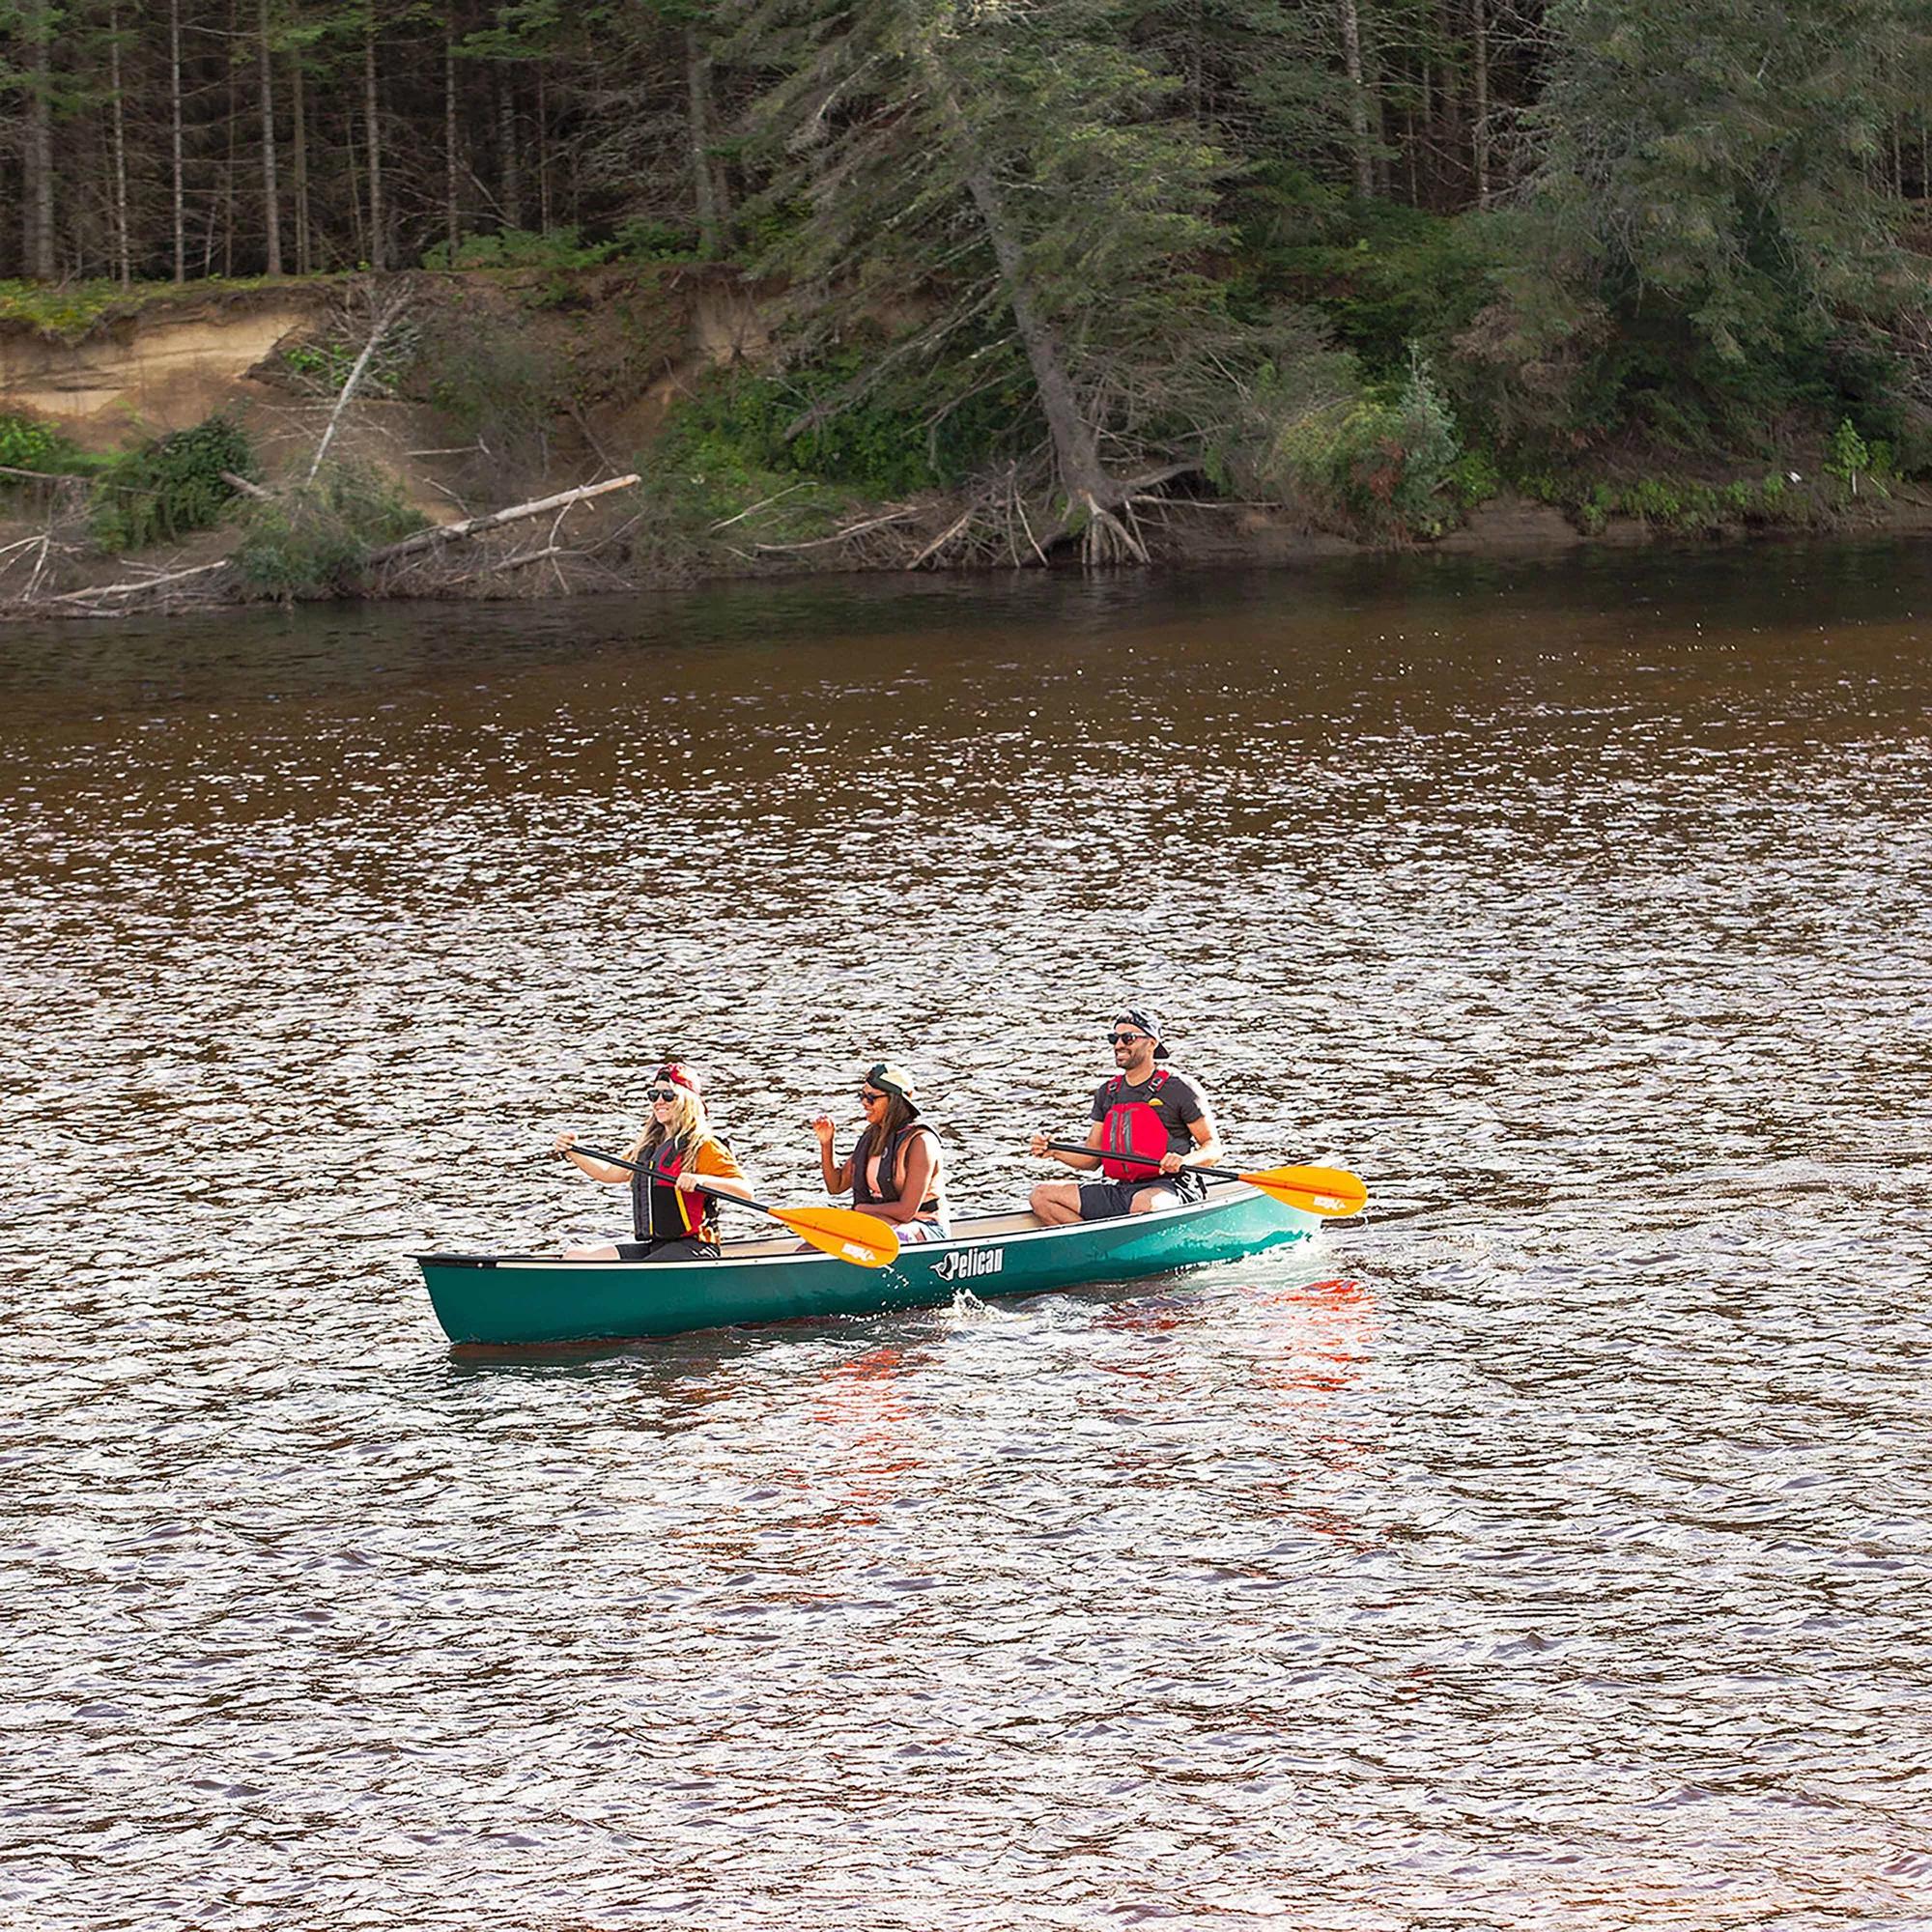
[(265, 75), (1075, 448), (697, 96), (451, 218), (1422, 155), (510, 175), (299, 106), (1446, 147), (1092, 493), (1196, 34), (37, 214), (372, 113), (543, 146), (359, 240), (229, 120), (124, 253), (1358, 100), (175, 132), (1479, 111)]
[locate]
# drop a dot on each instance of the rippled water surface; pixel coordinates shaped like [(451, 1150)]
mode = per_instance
[(1547, 1550)]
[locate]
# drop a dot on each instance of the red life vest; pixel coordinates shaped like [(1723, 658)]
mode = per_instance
[(1134, 1126), (662, 1212)]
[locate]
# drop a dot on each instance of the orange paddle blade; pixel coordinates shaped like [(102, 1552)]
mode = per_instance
[(843, 1233), (1316, 1190)]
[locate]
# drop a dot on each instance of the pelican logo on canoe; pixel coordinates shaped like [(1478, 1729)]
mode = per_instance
[(967, 1263)]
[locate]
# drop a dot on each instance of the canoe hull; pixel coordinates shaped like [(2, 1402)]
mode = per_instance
[(511, 1300)]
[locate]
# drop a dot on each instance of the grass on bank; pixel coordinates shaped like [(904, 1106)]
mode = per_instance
[(69, 310)]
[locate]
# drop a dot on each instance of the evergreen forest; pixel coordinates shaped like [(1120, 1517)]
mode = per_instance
[(1379, 253)]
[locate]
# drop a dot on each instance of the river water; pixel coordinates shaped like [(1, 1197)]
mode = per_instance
[(1550, 1549)]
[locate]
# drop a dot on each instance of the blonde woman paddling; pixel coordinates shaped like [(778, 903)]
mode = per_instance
[(894, 1172), (671, 1220)]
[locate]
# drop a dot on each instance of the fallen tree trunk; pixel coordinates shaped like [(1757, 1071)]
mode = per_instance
[(137, 584), (391, 312), (473, 527)]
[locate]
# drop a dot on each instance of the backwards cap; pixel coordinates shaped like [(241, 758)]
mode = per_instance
[(1147, 1021), (893, 1080)]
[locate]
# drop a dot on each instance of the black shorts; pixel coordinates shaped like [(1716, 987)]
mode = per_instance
[(667, 1251), (1108, 1199)]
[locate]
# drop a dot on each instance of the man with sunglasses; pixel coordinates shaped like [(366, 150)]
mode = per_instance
[(1145, 1111)]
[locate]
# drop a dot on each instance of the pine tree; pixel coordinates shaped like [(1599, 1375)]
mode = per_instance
[(1725, 155), (1010, 170)]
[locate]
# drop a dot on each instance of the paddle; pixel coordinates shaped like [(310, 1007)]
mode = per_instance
[(840, 1232), (1316, 1190)]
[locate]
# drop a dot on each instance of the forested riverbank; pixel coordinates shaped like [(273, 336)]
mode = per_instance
[(896, 283)]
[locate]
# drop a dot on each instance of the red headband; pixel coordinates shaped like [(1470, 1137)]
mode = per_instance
[(677, 1076)]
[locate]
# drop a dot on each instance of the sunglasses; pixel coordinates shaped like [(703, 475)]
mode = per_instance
[(1128, 1038), (866, 1097), (660, 1092)]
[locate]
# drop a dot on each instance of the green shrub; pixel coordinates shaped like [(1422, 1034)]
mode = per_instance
[(28, 443), (1596, 507), (316, 541), (1847, 457), (645, 239), (1473, 478), (25, 445), (169, 487), (1382, 460), (884, 444), (519, 249), (1652, 498)]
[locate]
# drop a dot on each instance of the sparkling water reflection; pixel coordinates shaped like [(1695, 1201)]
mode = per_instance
[(1549, 1552)]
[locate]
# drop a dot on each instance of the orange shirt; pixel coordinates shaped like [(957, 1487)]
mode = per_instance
[(715, 1158)]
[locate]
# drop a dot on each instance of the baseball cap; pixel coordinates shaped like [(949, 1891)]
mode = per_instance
[(1147, 1021)]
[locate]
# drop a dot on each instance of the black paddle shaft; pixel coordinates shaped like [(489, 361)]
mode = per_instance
[(1137, 1159), (658, 1174)]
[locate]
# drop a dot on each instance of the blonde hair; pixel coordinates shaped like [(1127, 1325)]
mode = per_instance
[(688, 1128)]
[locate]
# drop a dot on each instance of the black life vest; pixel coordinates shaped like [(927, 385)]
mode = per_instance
[(863, 1194), (1134, 1126), (662, 1212)]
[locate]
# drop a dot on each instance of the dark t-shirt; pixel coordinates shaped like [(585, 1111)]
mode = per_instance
[(1177, 1098)]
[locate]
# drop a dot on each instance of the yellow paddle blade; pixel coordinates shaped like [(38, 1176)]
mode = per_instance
[(1316, 1190), (843, 1233)]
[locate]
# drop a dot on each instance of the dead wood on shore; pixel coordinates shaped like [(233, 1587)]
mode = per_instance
[(419, 564), (472, 526)]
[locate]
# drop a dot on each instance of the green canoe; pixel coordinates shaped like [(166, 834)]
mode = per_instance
[(507, 1300)]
